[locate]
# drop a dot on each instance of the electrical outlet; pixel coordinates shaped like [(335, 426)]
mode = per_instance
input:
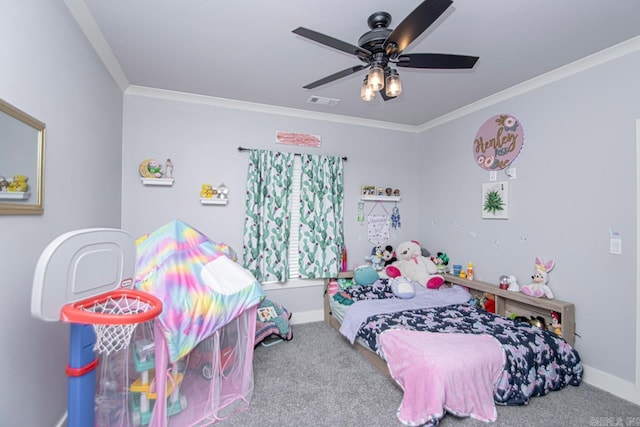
[(493, 176)]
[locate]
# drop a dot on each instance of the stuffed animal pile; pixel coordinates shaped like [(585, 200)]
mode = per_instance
[(413, 265)]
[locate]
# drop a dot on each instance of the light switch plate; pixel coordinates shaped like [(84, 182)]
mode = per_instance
[(615, 246)]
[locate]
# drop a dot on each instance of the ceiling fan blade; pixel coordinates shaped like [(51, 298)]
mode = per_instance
[(331, 42), (436, 60), (414, 25), (335, 76)]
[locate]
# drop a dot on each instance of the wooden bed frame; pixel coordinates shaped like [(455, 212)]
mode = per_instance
[(379, 363), (507, 302)]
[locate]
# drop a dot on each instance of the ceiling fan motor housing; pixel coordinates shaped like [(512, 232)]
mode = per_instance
[(373, 40)]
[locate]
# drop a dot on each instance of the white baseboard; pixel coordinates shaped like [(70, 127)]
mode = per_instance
[(63, 421), (624, 389)]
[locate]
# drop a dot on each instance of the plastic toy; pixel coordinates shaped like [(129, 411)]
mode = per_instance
[(154, 168), (207, 191), (539, 288), (18, 184), (556, 326), (143, 392), (513, 284), (504, 282), (200, 360)]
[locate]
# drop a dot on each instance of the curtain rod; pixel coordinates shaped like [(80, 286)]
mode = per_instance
[(297, 154)]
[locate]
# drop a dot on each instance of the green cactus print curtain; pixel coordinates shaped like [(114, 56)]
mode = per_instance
[(321, 216), (266, 225)]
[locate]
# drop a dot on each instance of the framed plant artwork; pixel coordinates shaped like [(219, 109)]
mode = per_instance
[(495, 200)]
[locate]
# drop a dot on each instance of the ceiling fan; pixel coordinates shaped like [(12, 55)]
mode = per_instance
[(381, 47)]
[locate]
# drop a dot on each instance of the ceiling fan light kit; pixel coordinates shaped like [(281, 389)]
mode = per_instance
[(381, 46), (376, 78), (366, 93), (393, 85)]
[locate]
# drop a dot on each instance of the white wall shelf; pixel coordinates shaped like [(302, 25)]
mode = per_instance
[(14, 195), (157, 181), (213, 201), (380, 198)]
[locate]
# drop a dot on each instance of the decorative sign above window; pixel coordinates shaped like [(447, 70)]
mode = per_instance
[(498, 142), (301, 139)]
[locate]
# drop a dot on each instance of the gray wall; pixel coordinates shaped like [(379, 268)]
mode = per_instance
[(202, 142), (576, 181), (49, 71)]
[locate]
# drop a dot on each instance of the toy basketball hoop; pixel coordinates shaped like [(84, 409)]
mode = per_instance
[(84, 277), (114, 316)]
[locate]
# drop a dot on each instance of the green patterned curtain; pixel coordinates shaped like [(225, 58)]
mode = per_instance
[(321, 226), (266, 224)]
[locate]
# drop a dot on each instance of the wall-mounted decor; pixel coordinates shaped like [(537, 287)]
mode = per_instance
[(498, 142), (210, 195), (301, 139), (21, 163), (495, 200), (152, 174)]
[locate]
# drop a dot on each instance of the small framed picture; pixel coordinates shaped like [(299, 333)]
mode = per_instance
[(266, 313), (368, 190), (495, 200)]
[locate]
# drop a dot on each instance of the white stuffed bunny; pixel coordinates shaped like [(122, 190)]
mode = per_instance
[(539, 288)]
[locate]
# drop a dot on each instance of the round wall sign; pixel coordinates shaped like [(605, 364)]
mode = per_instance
[(498, 142)]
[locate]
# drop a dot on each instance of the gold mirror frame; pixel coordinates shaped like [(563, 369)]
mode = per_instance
[(33, 202)]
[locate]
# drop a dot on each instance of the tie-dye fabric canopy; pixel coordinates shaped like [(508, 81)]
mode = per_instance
[(201, 286)]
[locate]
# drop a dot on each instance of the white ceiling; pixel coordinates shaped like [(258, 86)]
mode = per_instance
[(245, 50)]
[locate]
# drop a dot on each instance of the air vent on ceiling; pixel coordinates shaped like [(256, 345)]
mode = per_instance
[(320, 100)]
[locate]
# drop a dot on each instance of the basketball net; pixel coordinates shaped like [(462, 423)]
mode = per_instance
[(111, 338)]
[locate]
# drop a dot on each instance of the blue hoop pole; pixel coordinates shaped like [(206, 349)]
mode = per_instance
[(82, 376)]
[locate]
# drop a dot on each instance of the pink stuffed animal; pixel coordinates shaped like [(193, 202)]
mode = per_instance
[(539, 288)]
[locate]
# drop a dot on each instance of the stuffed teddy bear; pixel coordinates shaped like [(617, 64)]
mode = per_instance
[(539, 288), (414, 266)]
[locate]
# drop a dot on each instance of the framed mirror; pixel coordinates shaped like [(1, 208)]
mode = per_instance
[(22, 140)]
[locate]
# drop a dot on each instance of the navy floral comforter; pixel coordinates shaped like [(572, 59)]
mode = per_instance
[(536, 362)]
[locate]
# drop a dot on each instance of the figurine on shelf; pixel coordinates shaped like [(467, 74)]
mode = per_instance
[(168, 169), (396, 192), (223, 191), (154, 168), (207, 191)]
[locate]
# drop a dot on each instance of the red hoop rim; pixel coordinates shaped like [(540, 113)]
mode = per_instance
[(74, 312)]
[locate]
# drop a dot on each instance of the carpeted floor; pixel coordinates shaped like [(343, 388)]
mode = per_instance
[(318, 379)]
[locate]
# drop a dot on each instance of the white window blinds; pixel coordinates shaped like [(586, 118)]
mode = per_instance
[(294, 211)]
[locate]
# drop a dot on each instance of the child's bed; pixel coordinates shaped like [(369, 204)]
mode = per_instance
[(447, 355)]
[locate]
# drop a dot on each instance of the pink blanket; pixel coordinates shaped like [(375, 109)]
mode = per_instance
[(440, 371)]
